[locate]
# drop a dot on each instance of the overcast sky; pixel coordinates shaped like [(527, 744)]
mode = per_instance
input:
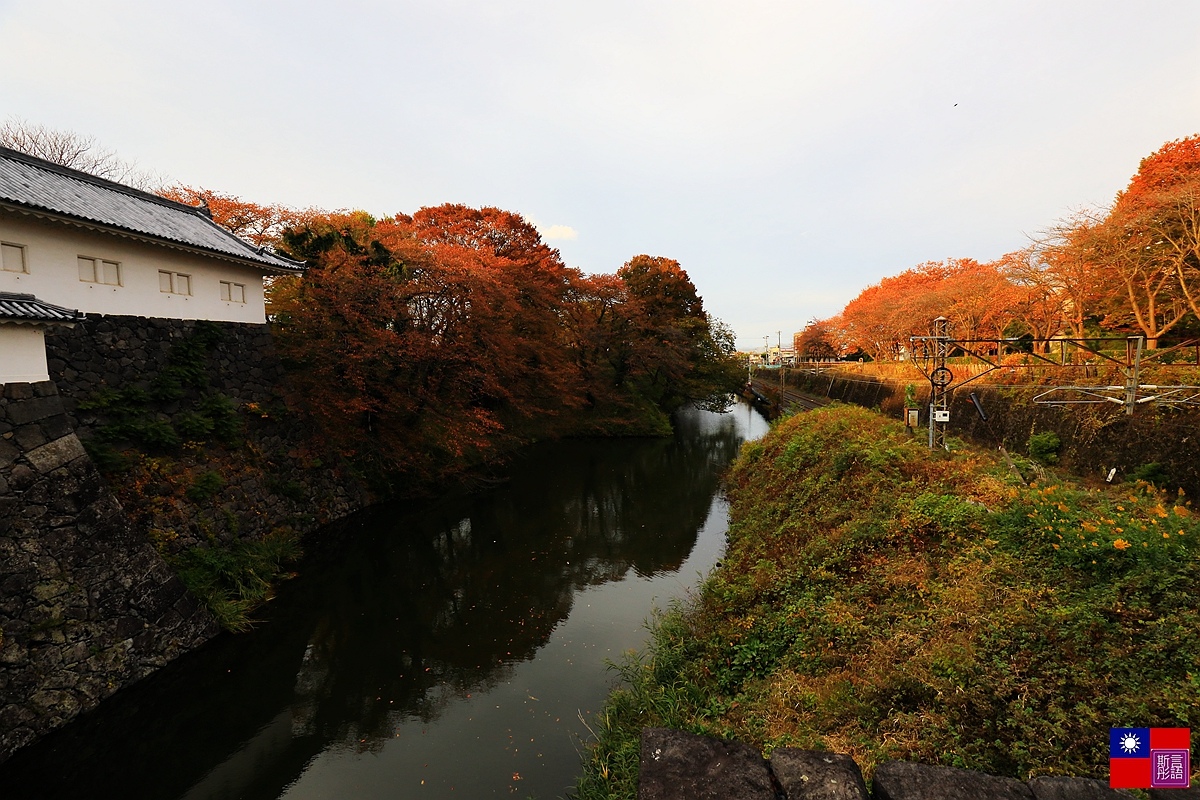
[(787, 153)]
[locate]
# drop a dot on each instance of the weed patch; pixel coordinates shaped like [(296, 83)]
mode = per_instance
[(886, 601), (232, 580)]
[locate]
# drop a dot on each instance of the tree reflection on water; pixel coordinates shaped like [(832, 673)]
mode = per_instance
[(411, 610)]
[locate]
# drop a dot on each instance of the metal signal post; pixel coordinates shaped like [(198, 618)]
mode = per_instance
[(940, 379), (930, 354)]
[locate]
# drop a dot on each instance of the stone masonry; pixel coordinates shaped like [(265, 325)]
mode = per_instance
[(107, 353), (682, 766), (87, 605), (114, 351)]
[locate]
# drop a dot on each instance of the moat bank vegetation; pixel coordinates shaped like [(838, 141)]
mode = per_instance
[(881, 600), (422, 345), (416, 350)]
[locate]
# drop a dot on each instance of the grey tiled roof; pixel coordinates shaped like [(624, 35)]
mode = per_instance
[(26, 307), (40, 186)]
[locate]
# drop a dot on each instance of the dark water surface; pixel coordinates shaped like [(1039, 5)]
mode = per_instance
[(454, 651)]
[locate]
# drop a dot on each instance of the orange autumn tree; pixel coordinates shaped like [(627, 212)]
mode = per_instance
[(980, 300), (820, 340), (424, 343), (882, 317), (420, 344), (260, 225), (1153, 238), (674, 353)]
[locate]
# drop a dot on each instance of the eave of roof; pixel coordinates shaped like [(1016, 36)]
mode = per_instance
[(16, 307), (40, 188)]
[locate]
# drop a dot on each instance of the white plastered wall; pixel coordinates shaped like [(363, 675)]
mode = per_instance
[(52, 250), (22, 353)]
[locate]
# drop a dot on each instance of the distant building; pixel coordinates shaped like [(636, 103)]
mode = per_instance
[(81, 242), (23, 321)]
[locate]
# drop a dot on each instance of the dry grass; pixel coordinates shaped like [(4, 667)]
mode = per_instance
[(888, 602)]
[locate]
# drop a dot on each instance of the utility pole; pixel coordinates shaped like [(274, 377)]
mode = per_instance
[(1133, 357), (940, 378)]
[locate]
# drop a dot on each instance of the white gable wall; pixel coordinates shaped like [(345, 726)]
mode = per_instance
[(22, 353), (52, 250)]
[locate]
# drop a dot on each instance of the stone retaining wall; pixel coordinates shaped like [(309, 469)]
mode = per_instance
[(682, 766), (1095, 438), (87, 605), (273, 480), (115, 351)]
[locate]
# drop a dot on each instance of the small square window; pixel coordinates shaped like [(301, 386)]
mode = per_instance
[(12, 257), (174, 282), (97, 270), (233, 292)]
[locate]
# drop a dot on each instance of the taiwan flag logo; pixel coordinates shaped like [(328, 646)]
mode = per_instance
[(1149, 758)]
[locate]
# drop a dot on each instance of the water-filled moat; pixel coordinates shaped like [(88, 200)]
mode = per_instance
[(456, 650)]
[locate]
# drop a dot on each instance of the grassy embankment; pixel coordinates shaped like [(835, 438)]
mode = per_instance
[(888, 602)]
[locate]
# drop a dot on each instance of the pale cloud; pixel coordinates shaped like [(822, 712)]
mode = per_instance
[(558, 232), (787, 154)]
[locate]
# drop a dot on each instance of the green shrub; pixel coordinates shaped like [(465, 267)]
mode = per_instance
[(107, 459), (1044, 447), (222, 411), (132, 396), (192, 426), (292, 490), (1153, 473), (154, 434), (232, 580), (102, 398), (166, 387), (205, 486)]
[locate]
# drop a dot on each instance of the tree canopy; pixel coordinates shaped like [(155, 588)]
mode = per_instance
[(423, 342), (1133, 268)]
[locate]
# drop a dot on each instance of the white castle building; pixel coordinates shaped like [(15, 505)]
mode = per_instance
[(71, 242)]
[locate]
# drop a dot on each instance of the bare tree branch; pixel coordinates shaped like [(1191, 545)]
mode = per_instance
[(74, 150)]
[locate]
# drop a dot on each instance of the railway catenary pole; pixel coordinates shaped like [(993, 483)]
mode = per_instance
[(939, 379)]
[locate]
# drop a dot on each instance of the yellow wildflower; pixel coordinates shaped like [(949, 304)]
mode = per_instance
[(1182, 511), (1121, 544)]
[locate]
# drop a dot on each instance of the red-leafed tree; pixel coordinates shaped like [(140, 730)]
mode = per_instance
[(260, 225), (422, 343), (819, 341), (880, 320), (1153, 237), (429, 343), (676, 353)]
